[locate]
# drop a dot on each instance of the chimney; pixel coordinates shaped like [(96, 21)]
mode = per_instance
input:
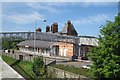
[(69, 27), (54, 27), (38, 30), (47, 28)]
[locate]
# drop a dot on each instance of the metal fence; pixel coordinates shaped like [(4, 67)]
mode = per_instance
[(40, 36)]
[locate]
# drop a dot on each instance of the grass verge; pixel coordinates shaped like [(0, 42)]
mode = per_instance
[(22, 72), (27, 67), (22, 67), (8, 59)]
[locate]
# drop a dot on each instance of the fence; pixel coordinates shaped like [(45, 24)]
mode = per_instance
[(26, 57), (19, 56)]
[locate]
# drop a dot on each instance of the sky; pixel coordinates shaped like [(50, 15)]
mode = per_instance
[(87, 17)]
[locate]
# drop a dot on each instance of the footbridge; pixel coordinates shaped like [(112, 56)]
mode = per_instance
[(39, 36)]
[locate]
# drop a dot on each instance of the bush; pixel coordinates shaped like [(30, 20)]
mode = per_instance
[(38, 66)]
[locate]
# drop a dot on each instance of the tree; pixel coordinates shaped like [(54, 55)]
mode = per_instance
[(106, 56), (38, 66), (7, 44)]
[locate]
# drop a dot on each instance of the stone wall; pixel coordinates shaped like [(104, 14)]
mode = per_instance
[(58, 73)]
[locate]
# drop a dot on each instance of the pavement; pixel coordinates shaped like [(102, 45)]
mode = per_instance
[(7, 72)]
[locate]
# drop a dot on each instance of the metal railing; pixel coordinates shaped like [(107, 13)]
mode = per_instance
[(39, 36)]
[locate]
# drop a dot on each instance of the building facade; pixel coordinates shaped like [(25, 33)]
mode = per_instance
[(46, 48), (85, 43)]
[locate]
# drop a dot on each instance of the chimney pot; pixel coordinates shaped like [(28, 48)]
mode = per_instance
[(38, 30), (54, 27), (47, 28), (69, 22)]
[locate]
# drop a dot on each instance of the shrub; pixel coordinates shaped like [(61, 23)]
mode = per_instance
[(38, 66)]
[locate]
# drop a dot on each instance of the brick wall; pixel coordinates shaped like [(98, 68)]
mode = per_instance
[(66, 49)]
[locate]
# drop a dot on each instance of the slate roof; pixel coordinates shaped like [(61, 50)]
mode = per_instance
[(69, 29), (65, 29), (38, 43)]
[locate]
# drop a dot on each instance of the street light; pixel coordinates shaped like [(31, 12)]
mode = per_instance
[(35, 33)]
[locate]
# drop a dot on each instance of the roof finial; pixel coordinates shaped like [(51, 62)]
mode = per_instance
[(69, 22)]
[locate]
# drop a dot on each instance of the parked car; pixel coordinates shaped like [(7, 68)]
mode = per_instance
[(86, 66), (84, 58)]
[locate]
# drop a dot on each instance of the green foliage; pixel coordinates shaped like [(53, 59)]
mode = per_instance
[(8, 59), (27, 67), (6, 44), (106, 56), (38, 66)]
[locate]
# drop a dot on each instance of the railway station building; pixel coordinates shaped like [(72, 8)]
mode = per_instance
[(49, 48)]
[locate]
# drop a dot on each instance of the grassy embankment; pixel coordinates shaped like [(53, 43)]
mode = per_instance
[(25, 68), (22, 67)]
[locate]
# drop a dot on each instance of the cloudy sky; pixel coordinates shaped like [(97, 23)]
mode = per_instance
[(86, 17)]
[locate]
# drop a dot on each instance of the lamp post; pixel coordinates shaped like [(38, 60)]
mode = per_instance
[(35, 34), (34, 38)]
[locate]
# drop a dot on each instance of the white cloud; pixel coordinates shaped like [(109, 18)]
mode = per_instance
[(51, 7), (55, 7), (23, 18), (91, 19)]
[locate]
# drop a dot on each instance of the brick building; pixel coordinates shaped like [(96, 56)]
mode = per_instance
[(51, 48)]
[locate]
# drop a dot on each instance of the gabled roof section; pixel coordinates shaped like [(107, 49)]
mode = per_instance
[(69, 29), (65, 28)]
